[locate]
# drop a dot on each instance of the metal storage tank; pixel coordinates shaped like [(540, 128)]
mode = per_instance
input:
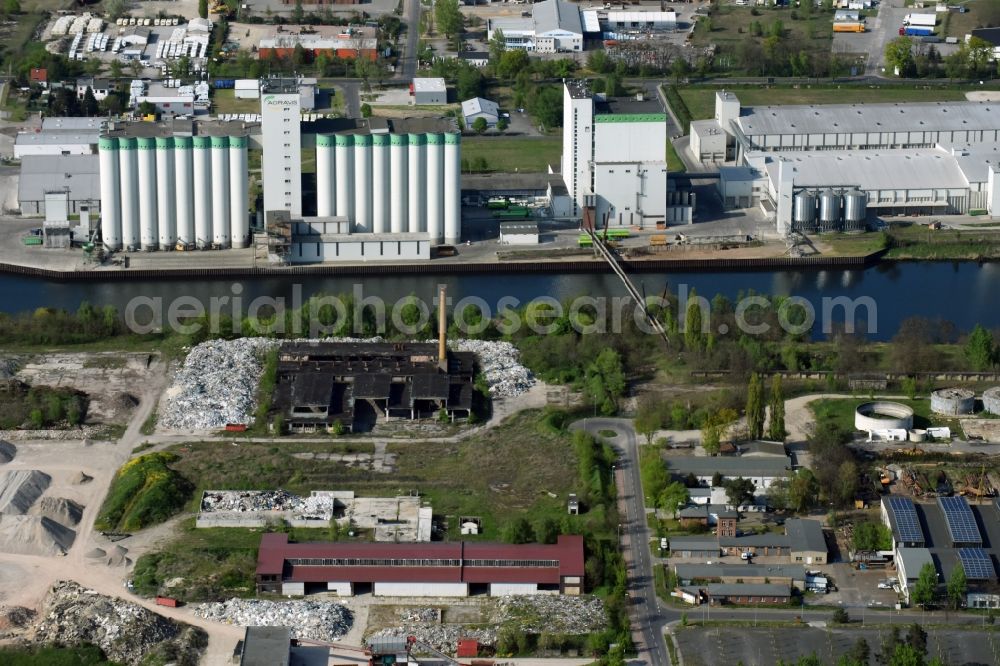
[(855, 210), (380, 183), (184, 186), (452, 188), (148, 235), (829, 210), (804, 212), (363, 183), (417, 203), (130, 192), (111, 219), (398, 182), (345, 175), (991, 400), (325, 175), (202, 191), (953, 401), (220, 191), (239, 204), (435, 187), (166, 194)]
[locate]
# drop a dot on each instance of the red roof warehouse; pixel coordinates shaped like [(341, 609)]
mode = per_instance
[(425, 569)]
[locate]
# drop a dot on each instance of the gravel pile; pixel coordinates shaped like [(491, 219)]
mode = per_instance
[(217, 385), (221, 501), (419, 615), (441, 637), (550, 613), (318, 620), (500, 363)]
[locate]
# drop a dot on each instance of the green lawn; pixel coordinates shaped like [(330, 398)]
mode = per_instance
[(674, 163), (701, 100), (224, 101), (980, 13), (512, 154), (855, 244)]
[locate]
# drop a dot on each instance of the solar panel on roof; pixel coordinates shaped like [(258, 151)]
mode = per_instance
[(977, 563), (905, 516), (961, 523)]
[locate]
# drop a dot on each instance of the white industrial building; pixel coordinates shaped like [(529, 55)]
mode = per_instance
[(395, 177), (554, 27), (828, 167), (627, 25), (162, 186), (432, 90), (326, 239), (56, 142), (281, 136), (77, 175), (614, 156), (477, 107)]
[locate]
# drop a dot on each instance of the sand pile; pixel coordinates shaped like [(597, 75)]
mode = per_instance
[(116, 557), (20, 489), (34, 535), (80, 478), (59, 509), (97, 554), (7, 451)]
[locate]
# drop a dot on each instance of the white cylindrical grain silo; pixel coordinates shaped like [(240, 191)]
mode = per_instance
[(363, 183), (184, 186), (239, 206), (344, 157), (380, 183), (148, 236), (130, 192), (202, 191), (435, 187), (452, 188), (166, 193), (398, 183), (220, 191), (111, 211), (326, 169), (417, 194)]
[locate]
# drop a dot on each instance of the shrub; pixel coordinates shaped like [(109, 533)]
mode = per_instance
[(145, 491)]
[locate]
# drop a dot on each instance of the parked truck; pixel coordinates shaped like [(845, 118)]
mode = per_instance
[(923, 20), (850, 26), (916, 31)]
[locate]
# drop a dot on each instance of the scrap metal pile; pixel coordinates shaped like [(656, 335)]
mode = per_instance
[(320, 507), (550, 613), (500, 365), (317, 620)]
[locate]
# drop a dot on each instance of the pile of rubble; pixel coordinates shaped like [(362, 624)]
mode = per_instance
[(126, 633), (217, 385), (241, 501), (441, 637), (500, 364), (549, 613), (318, 620)]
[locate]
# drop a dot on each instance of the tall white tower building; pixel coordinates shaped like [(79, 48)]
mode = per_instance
[(282, 142)]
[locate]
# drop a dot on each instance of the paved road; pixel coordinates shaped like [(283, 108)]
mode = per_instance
[(408, 59), (352, 98)]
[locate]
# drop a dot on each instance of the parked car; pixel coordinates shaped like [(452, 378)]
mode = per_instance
[(746, 555), (884, 585)]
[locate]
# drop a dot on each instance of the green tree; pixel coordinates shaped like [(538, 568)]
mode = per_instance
[(605, 380), (518, 531), (654, 478), (870, 536), (502, 125), (673, 498), (498, 46), (115, 8), (648, 419), (840, 616), (37, 419), (899, 54), (448, 17), (366, 110), (777, 494), (906, 655), (203, 8), (692, 325), (957, 587), (926, 585), (297, 12), (116, 69), (11, 7), (755, 407), (776, 424), (679, 69), (511, 63), (479, 125), (980, 350), (546, 530), (803, 491), (713, 429), (740, 491)]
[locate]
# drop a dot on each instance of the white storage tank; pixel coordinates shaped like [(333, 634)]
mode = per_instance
[(417, 162), (953, 401), (991, 400), (363, 183), (166, 194), (239, 204), (325, 175), (345, 175), (398, 182), (148, 232), (202, 191), (380, 183), (220, 191), (128, 165), (452, 188), (184, 186), (111, 221), (435, 187)]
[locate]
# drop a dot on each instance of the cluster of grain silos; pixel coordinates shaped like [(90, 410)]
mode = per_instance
[(953, 401), (391, 183), (829, 211), (161, 192)]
